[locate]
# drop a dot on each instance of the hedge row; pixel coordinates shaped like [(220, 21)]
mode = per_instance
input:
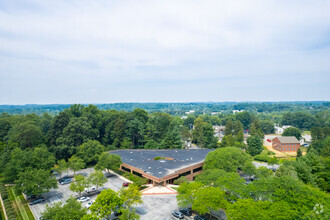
[(7, 203), (263, 158)]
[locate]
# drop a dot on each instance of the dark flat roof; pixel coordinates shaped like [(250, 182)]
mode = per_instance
[(144, 159)]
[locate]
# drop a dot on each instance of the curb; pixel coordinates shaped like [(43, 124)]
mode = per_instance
[(3, 207)]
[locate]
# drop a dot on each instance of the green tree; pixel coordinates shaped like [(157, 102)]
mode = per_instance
[(136, 130), (228, 141), (227, 158), (61, 167), (197, 133), (245, 117), (75, 163), (209, 140), (79, 184), (240, 137), (97, 179), (249, 169), (131, 195), (90, 151), (210, 176), (71, 210), (231, 183), (180, 180), (130, 214), (254, 145), (106, 202), (108, 161), (35, 182), (76, 132), (26, 134), (187, 192), (299, 153), (286, 170), (41, 158), (172, 139), (292, 132), (263, 172), (255, 129), (208, 199), (229, 127), (267, 127)]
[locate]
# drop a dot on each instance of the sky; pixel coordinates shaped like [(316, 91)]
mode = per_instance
[(106, 51)]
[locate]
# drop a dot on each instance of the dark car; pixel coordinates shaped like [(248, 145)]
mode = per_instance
[(36, 201), (198, 217), (178, 214), (31, 197), (66, 181), (125, 184), (186, 211)]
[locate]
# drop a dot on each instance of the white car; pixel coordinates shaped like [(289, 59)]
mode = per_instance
[(89, 190), (89, 204), (83, 199)]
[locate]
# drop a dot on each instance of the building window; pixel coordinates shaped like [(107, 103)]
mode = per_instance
[(126, 169), (138, 174), (197, 169), (185, 173)]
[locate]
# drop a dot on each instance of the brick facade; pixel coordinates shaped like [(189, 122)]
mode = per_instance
[(189, 172), (285, 146)]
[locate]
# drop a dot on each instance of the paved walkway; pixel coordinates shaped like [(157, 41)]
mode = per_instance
[(159, 190)]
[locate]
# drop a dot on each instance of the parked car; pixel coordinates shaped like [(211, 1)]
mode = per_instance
[(126, 184), (31, 197), (306, 145), (186, 211), (198, 217), (83, 199), (177, 214), (38, 200), (90, 190), (66, 181), (269, 140)]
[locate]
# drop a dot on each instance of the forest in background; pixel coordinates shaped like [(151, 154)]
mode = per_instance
[(178, 108)]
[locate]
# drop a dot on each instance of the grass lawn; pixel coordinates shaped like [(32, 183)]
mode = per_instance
[(20, 205), (307, 132)]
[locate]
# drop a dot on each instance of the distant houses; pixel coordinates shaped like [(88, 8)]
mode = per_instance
[(286, 144), (237, 111), (280, 130)]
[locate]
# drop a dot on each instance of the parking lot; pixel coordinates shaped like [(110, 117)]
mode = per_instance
[(63, 192), (158, 207), (153, 207)]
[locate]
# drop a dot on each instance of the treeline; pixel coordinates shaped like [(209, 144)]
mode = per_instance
[(86, 131), (179, 108)]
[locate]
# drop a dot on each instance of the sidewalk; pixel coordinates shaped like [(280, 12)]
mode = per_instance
[(158, 190)]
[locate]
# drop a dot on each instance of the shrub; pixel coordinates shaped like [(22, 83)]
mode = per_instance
[(263, 158), (182, 179)]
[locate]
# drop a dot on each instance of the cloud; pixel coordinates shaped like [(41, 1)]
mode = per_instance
[(82, 42)]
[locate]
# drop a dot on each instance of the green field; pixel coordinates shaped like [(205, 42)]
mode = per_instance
[(20, 205)]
